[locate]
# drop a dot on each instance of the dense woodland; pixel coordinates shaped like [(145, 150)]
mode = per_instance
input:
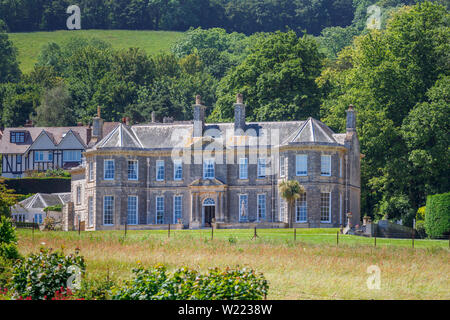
[(397, 77)]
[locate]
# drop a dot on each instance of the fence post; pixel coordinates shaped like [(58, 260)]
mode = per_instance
[(375, 237), (295, 234), (255, 235), (212, 232), (79, 227), (168, 230), (126, 226), (337, 238)]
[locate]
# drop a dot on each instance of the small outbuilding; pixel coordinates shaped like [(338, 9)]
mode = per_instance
[(33, 207)]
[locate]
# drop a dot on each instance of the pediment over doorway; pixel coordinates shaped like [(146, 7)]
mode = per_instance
[(207, 183)]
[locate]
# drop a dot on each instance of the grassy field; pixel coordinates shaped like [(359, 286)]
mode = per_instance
[(30, 44), (312, 267)]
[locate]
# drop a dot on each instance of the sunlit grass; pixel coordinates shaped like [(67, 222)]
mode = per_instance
[(29, 44), (312, 267)]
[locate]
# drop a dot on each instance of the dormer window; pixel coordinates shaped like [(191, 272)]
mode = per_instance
[(17, 137)]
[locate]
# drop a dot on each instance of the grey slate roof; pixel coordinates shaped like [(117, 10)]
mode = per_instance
[(44, 200), (170, 135)]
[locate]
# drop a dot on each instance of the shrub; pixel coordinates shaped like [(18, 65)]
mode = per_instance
[(41, 275), (95, 289), (7, 231), (420, 227), (420, 215), (8, 240), (437, 215), (186, 284), (49, 224), (57, 208)]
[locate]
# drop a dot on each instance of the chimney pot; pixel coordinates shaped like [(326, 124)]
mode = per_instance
[(239, 98), (98, 112), (351, 118), (239, 115), (153, 116), (198, 100)]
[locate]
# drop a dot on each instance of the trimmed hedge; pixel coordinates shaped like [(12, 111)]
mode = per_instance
[(437, 216), (38, 185)]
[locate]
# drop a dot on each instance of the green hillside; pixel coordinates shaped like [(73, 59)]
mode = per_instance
[(30, 44)]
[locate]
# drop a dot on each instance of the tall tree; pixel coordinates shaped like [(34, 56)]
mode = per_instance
[(9, 67), (385, 74), (56, 108), (277, 80)]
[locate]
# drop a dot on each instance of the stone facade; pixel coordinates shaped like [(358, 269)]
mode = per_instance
[(119, 183)]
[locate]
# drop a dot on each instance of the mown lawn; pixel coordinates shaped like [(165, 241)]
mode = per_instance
[(30, 44), (312, 267)]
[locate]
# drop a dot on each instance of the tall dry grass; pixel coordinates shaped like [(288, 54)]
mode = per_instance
[(299, 270)]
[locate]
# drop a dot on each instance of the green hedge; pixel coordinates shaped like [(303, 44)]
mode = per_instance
[(437, 216), (35, 185)]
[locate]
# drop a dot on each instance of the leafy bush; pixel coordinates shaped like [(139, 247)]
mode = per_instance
[(95, 289), (420, 215), (49, 224), (8, 250), (57, 207), (437, 216), (420, 228), (8, 240), (41, 275), (186, 284)]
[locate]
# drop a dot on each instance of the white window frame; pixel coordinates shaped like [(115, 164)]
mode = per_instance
[(91, 211), (323, 163), (105, 169), (159, 210), (135, 221), (322, 206), (78, 194), (261, 206), (301, 208), (209, 170), (282, 166), (283, 209), (241, 196), (261, 170), (136, 163), (39, 156), (73, 155), (175, 208), (160, 165), (301, 172), (243, 168), (178, 169), (91, 170), (110, 223), (38, 218)]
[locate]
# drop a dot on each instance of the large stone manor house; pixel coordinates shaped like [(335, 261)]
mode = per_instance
[(193, 174)]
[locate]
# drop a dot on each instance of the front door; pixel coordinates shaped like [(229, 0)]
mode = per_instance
[(209, 215)]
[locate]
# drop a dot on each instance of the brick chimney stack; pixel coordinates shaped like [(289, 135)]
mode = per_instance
[(239, 115), (199, 117), (351, 118), (97, 126)]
